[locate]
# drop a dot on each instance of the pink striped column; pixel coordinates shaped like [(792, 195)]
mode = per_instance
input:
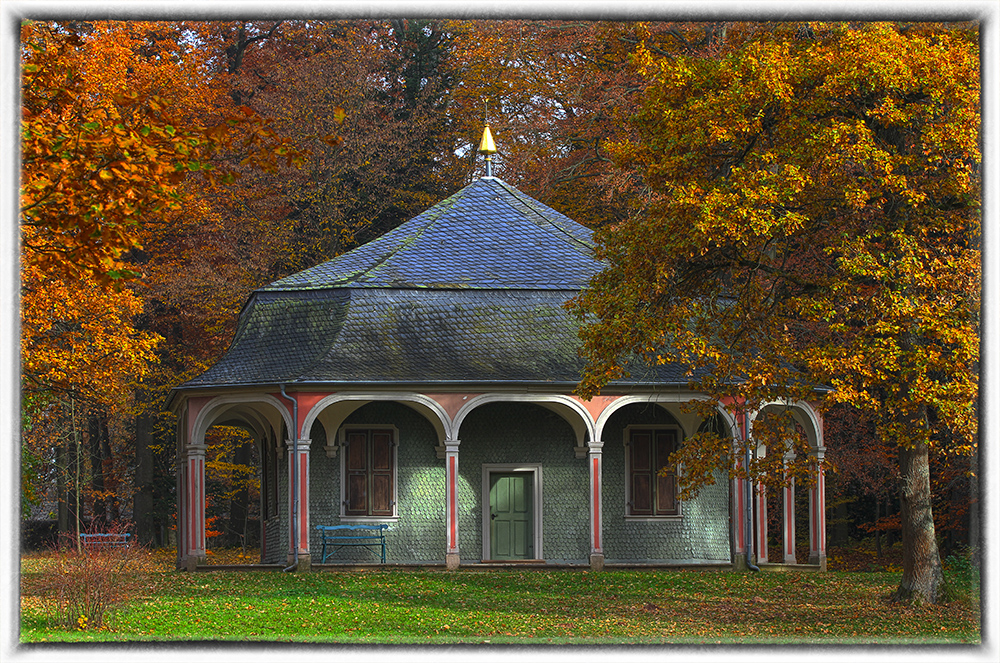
[(788, 522), (595, 463), (817, 517), (299, 468), (194, 506), (738, 519), (452, 557), (760, 495)]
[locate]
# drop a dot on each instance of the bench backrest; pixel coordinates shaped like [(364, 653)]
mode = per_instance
[(101, 540), (333, 529)]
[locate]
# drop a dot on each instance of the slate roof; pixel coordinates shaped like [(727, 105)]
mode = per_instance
[(489, 235), (470, 291)]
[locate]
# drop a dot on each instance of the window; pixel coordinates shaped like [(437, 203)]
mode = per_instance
[(648, 450), (369, 476)]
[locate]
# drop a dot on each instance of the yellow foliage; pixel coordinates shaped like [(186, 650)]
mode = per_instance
[(816, 222), (78, 335)]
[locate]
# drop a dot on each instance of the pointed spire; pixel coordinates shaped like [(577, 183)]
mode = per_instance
[(486, 145)]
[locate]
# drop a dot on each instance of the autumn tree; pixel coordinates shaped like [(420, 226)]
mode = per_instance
[(80, 202), (124, 137), (862, 477), (555, 93), (816, 222), (382, 87)]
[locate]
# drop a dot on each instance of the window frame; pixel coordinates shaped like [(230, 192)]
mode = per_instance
[(394, 472), (626, 443)]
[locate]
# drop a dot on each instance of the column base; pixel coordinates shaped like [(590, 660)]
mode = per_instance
[(191, 562), (740, 562), (304, 564), (596, 561), (818, 558), (451, 561)]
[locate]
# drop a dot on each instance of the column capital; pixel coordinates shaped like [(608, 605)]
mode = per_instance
[(591, 448), (448, 447), (303, 444), (195, 449)]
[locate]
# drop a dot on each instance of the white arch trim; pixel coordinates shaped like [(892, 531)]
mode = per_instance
[(247, 417), (443, 425), (812, 418), (539, 399), (217, 406), (618, 404)]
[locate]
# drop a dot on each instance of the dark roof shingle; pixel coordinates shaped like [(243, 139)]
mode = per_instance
[(487, 236), (471, 291)]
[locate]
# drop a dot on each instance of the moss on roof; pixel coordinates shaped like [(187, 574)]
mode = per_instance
[(472, 290)]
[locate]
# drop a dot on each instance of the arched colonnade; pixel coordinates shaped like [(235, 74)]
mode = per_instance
[(270, 416)]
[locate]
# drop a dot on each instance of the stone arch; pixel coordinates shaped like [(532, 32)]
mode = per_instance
[(241, 406), (261, 414), (689, 422), (804, 414), (570, 409), (332, 410), (811, 422), (246, 417)]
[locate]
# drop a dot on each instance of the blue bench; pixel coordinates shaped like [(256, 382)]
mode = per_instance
[(104, 541), (371, 537)]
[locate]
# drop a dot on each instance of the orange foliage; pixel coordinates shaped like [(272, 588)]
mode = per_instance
[(77, 336)]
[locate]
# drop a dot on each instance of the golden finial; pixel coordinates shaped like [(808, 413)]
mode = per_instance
[(486, 145)]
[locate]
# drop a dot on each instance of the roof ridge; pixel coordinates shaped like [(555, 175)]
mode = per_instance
[(530, 202), (449, 202), (387, 237), (486, 235)]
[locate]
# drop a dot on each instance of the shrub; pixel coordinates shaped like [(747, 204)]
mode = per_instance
[(86, 584), (961, 578)]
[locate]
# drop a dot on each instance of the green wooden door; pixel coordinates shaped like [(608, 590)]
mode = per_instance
[(511, 527)]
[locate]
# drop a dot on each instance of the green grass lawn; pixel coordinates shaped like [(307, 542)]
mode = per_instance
[(498, 607)]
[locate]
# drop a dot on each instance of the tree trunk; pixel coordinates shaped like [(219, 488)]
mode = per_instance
[(142, 500), (841, 529), (975, 545), (99, 516), (922, 575), (878, 532), (64, 517)]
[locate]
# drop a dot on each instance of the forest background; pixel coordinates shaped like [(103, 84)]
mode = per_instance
[(260, 148)]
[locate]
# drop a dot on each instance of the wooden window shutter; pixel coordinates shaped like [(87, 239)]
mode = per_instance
[(381, 473), (640, 448), (356, 461), (666, 486)]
